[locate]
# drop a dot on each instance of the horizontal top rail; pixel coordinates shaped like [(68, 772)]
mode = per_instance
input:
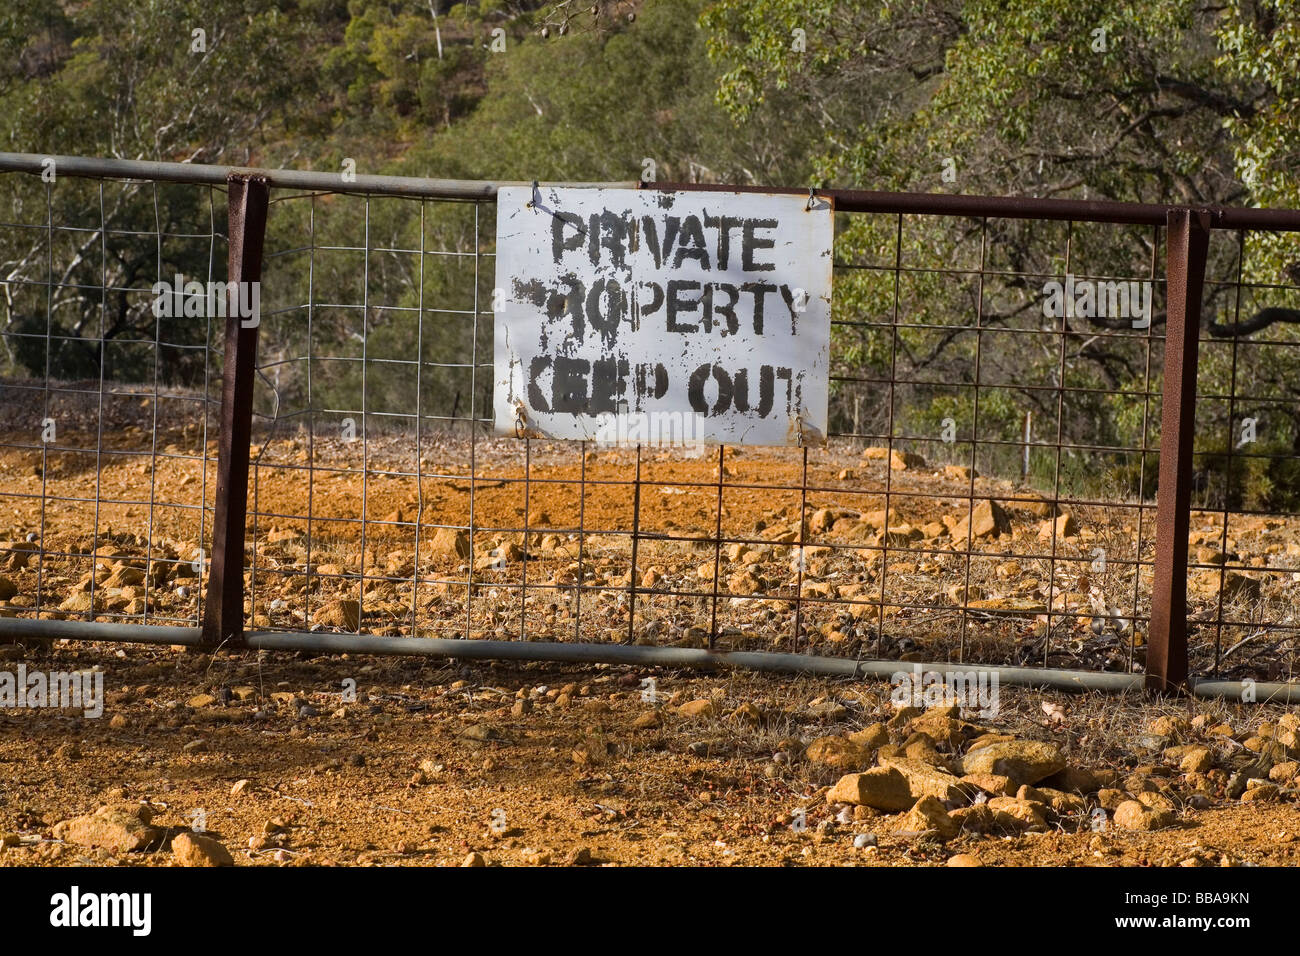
[(201, 174), (846, 200), (1023, 207)]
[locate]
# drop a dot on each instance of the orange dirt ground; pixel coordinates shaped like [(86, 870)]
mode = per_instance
[(575, 758), (413, 773)]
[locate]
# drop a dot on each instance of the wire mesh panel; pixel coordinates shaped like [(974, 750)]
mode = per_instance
[(382, 504), (106, 397), (1007, 517), (1244, 559), (372, 381), (987, 493)]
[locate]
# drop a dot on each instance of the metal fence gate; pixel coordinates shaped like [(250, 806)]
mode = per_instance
[(325, 477)]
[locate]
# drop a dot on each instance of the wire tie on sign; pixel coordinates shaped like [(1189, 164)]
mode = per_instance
[(812, 198), (535, 201)]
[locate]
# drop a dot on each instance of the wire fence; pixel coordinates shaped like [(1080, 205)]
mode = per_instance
[(1010, 381), (107, 409)]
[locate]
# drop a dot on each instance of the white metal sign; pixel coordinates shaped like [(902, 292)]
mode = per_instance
[(643, 317)]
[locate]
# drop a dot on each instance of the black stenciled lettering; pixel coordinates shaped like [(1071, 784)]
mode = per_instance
[(788, 295), (677, 304), (652, 381), (536, 398), (560, 243), (608, 384), (671, 225), (724, 225), (656, 298), (606, 320), (695, 390), (766, 390), (750, 243), (691, 245), (651, 231), (608, 231), (569, 386), (532, 290), (536, 293), (572, 303), (759, 290), (727, 310)]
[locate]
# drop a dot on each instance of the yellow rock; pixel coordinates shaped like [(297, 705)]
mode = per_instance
[(988, 519), (839, 753), (344, 614), (1064, 527), (697, 708), (928, 816), (450, 543), (881, 787)]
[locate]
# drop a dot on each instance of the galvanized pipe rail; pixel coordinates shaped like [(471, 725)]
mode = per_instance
[(845, 200), (410, 187), (625, 655)]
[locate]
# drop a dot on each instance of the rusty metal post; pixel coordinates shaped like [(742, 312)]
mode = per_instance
[(223, 609), (1187, 240)]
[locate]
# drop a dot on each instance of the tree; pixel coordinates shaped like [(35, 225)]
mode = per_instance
[(183, 81), (1098, 99)]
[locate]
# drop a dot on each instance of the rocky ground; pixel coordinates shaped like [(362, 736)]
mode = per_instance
[(262, 760), (265, 760), (885, 555)]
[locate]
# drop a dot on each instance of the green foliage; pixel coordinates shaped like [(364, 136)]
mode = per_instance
[(596, 106), (337, 356), (398, 69), (1160, 102), (1163, 101), (126, 79), (1261, 46)]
